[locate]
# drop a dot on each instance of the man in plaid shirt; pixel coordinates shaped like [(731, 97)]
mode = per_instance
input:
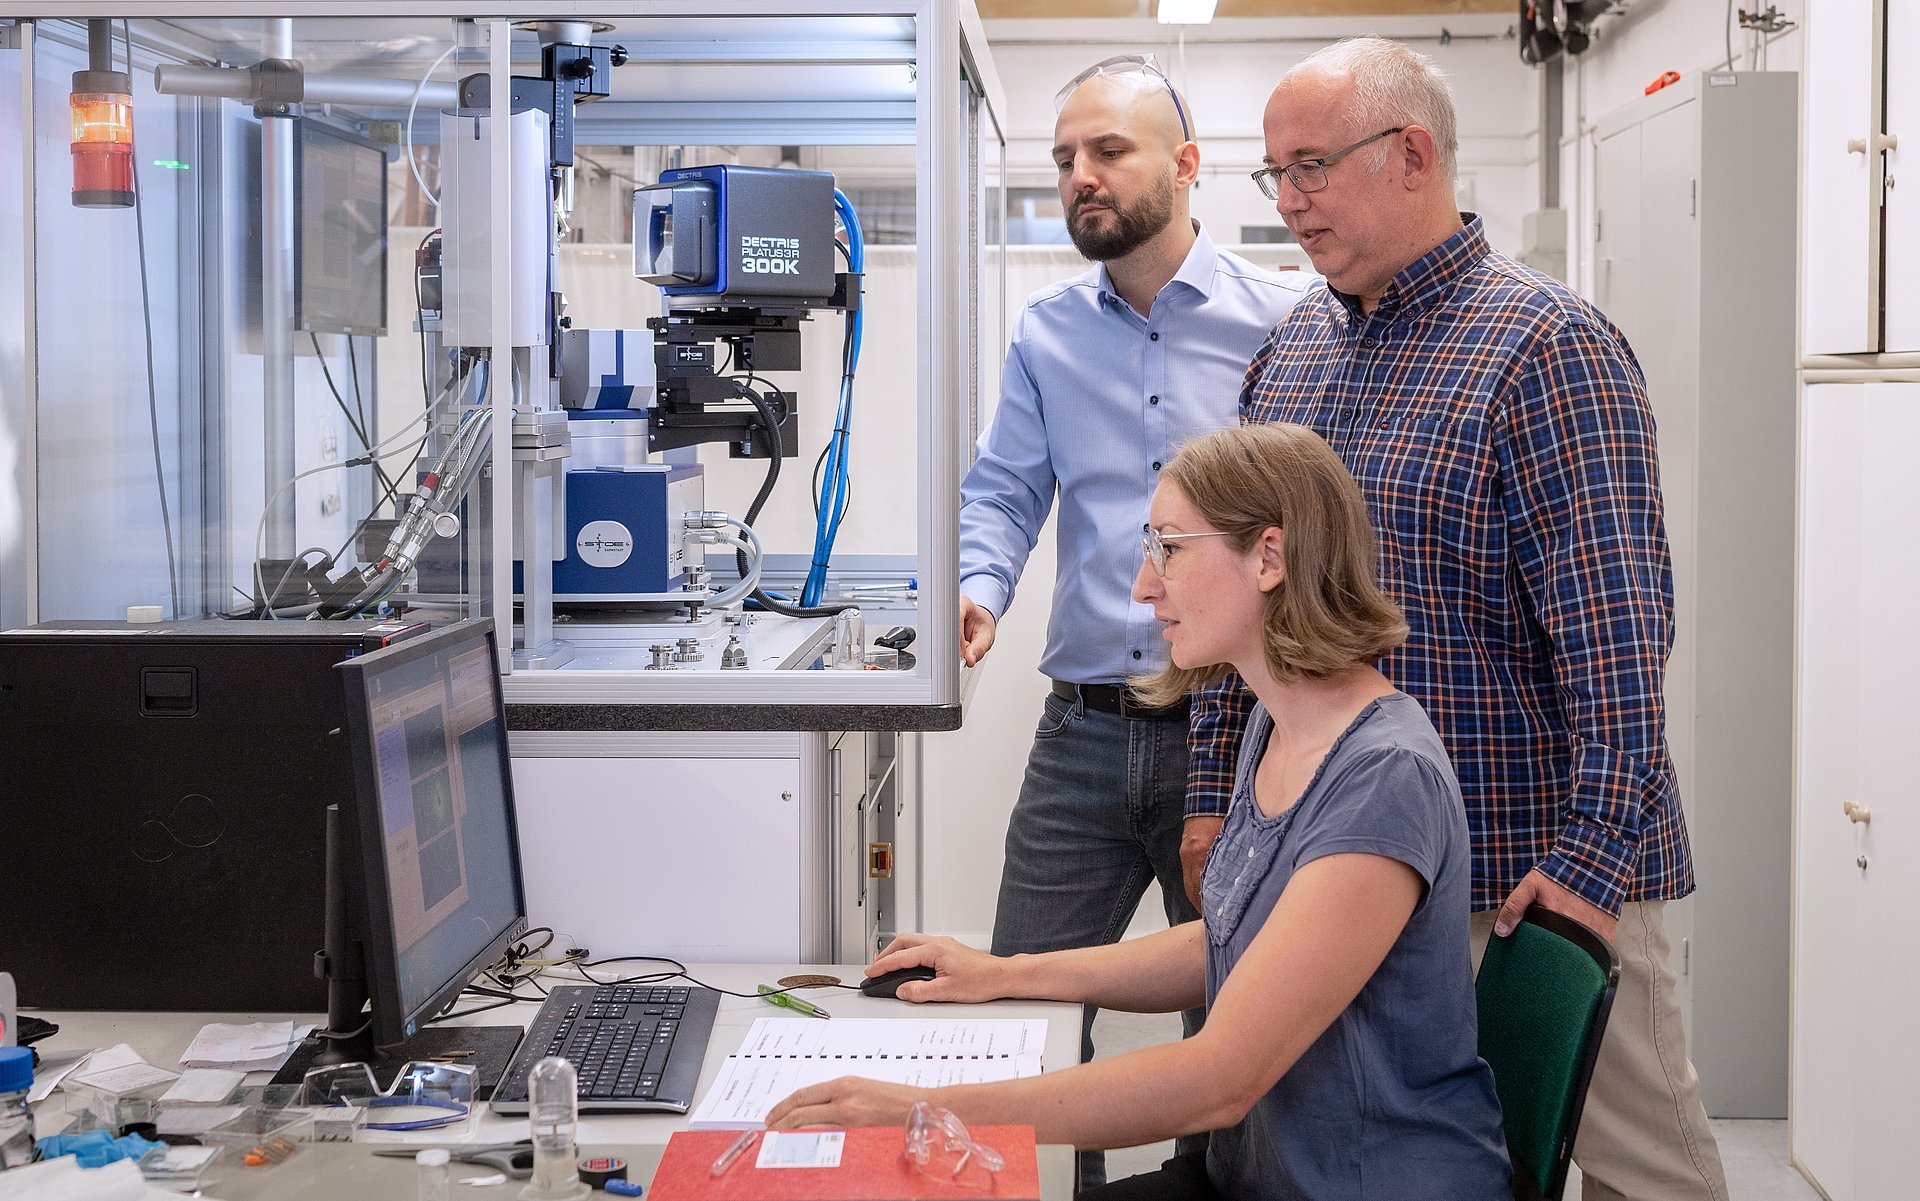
[(1500, 429)]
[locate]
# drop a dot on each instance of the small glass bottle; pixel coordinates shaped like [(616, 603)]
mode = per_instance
[(16, 1120), (553, 1108), (433, 1173)]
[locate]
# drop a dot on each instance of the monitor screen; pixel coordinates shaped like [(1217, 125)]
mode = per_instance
[(340, 243), (435, 820)]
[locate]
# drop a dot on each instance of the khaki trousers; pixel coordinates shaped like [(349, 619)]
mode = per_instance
[(1643, 1134)]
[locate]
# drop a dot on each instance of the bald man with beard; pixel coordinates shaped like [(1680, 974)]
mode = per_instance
[(1107, 373)]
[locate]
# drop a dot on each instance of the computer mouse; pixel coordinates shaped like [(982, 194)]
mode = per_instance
[(888, 984)]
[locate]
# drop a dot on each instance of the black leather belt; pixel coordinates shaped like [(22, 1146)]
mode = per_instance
[(1117, 699)]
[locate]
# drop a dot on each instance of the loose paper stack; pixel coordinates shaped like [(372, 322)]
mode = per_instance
[(781, 1055), (254, 1047)]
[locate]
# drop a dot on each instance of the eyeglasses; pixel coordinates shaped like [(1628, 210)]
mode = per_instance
[(1154, 543), (939, 1146), (1310, 174), (423, 1095), (1126, 64)]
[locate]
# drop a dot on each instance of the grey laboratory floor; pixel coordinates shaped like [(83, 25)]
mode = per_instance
[(1755, 1153)]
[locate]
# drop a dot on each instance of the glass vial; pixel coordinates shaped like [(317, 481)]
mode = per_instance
[(433, 1173), (16, 1120), (553, 1112)]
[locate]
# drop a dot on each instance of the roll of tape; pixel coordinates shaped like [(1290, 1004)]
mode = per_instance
[(602, 1168), (145, 615)]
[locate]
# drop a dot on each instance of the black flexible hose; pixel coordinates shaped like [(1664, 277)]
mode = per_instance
[(769, 423)]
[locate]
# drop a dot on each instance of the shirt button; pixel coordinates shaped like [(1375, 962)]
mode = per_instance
[(1136, 654), (1153, 400), (1156, 464), (1369, 343), (1249, 852), (1153, 337)]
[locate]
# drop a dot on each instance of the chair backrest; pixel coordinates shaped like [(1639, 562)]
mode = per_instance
[(1543, 995)]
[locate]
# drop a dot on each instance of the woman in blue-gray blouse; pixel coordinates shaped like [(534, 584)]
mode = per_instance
[(1338, 1058)]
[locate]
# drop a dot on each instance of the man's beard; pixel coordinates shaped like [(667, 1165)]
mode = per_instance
[(1131, 227)]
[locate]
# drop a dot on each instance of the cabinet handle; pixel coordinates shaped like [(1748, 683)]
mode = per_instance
[(1886, 141), (1856, 145), (1857, 813)]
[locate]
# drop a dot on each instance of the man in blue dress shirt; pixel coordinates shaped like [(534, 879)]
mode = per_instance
[(1107, 374)]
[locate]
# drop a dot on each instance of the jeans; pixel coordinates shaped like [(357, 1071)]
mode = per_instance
[(1099, 814), (1182, 1178)]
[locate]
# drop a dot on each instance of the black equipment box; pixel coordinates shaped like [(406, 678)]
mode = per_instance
[(163, 820)]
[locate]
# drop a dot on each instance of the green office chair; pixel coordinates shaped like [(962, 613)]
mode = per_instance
[(1543, 995)]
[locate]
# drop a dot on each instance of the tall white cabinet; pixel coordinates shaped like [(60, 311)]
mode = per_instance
[(1688, 182), (1862, 257), (1855, 1053), (1856, 1050)]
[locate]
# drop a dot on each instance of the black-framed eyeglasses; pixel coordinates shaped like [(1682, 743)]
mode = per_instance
[(1154, 545), (1310, 174), (1127, 64)]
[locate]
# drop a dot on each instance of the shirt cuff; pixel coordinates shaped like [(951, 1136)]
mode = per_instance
[(990, 594), (1207, 794), (1590, 863)]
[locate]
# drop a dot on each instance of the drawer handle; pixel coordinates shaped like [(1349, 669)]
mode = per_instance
[(1886, 141), (1857, 813), (1856, 145)]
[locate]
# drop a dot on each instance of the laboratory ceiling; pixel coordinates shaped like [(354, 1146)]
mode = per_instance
[(1001, 9)]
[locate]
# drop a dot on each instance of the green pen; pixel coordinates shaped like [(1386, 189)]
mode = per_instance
[(774, 996)]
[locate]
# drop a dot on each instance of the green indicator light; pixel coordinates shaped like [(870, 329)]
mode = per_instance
[(172, 164)]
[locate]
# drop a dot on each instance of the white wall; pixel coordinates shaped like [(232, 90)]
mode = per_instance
[(1226, 72)]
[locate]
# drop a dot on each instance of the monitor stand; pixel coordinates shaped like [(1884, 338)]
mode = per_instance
[(342, 963)]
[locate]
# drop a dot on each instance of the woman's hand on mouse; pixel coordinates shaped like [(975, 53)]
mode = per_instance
[(848, 1101), (961, 973)]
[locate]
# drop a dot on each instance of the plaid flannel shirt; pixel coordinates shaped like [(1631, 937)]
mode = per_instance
[(1499, 428)]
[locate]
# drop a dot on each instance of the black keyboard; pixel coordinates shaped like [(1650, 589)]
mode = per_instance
[(635, 1048)]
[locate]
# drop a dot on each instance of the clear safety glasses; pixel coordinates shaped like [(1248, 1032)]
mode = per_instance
[(1127, 64), (423, 1096), (1154, 545)]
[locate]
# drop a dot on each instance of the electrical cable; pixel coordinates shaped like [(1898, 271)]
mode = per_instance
[(262, 602), (146, 313), (406, 131), (359, 427), (833, 492), (776, 448), (393, 486)]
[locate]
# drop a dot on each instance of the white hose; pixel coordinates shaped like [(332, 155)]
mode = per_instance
[(406, 131), (748, 582)]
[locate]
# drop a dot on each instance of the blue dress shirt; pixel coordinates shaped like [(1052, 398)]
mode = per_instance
[(1094, 399)]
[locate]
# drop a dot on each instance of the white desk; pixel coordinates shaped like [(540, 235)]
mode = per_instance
[(348, 1170)]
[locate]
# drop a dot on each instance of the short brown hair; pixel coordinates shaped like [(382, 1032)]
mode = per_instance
[(1330, 612)]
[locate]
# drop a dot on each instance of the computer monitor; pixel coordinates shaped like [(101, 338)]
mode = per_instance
[(340, 213), (432, 816)]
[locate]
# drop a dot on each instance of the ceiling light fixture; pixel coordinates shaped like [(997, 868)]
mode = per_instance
[(1186, 12)]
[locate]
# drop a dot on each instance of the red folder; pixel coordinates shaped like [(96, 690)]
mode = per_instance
[(873, 1167)]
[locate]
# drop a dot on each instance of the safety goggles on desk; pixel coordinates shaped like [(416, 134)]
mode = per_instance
[(423, 1096)]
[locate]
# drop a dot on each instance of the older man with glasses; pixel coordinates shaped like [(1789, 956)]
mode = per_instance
[(1500, 429), (1108, 372)]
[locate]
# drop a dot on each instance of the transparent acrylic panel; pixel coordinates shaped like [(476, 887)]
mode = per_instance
[(220, 400), (307, 388)]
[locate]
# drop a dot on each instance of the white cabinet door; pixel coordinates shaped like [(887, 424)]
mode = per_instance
[(1888, 1112), (1856, 1047), (1839, 202), (1827, 769), (1901, 262)]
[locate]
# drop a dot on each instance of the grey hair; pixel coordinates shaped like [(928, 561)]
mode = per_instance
[(1392, 86)]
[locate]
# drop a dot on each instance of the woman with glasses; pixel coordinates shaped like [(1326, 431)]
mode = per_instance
[(1338, 1058)]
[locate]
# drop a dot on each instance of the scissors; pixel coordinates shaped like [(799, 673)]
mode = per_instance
[(515, 1159)]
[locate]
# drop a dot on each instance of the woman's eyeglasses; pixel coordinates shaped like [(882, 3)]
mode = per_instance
[(1154, 543)]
